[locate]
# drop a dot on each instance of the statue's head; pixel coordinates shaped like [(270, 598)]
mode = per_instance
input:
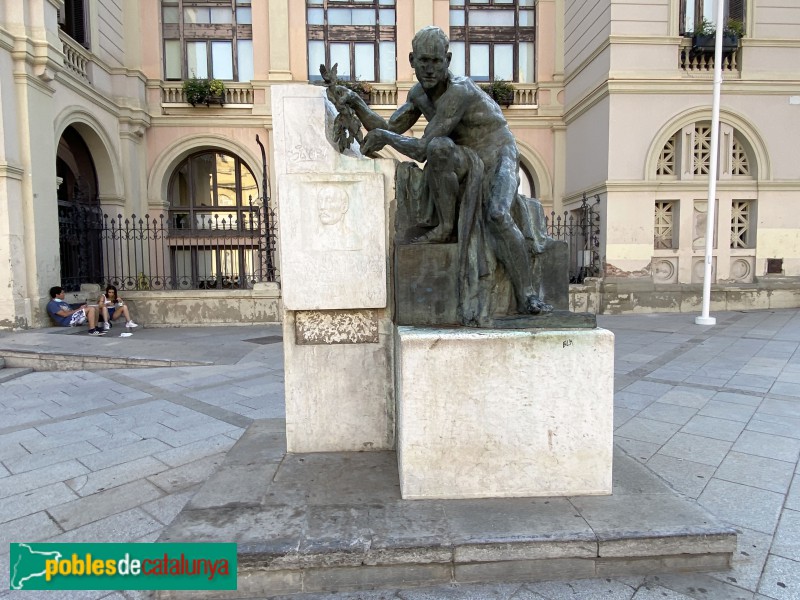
[(332, 205), (430, 56)]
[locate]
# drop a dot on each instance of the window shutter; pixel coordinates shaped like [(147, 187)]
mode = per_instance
[(76, 21), (736, 10)]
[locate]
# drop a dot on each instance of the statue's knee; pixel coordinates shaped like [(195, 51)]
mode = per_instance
[(498, 218), (441, 153)]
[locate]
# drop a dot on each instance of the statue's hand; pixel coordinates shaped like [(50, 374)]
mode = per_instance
[(374, 141), (341, 96)]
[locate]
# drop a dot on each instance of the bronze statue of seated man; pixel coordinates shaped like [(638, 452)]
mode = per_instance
[(471, 172)]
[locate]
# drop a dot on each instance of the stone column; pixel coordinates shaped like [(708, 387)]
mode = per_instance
[(279, 65), (29, 222)]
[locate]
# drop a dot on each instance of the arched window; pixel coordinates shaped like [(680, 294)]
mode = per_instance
[(687, 154), (212, 190), (680, 211), (527, 187), (216, 222)]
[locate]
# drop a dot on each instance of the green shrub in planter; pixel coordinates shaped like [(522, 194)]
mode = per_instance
[(501, 91), (203, 91), (704, 36)]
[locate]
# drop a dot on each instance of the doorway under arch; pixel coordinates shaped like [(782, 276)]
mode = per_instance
[(80, 217)]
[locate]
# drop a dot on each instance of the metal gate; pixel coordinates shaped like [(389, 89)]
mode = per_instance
[(80, 228)]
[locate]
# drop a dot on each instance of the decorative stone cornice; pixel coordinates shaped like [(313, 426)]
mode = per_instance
[(11, 171)]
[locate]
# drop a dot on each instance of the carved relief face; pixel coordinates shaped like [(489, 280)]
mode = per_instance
[(333, 204)]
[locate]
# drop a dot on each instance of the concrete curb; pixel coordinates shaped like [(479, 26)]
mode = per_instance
[(55, 361)]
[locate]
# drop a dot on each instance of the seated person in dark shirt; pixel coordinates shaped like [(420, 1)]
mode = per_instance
[(66, 316)]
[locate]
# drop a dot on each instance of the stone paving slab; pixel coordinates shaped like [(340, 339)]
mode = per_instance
[(46, 350), (333, 521), (693, 363)]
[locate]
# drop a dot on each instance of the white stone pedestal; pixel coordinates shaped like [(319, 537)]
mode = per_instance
[(334, 235), (491, 413)]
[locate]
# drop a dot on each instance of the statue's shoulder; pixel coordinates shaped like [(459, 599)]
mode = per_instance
[(464, 83)]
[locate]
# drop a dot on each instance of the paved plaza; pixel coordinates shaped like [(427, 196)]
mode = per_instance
[(113, 455)]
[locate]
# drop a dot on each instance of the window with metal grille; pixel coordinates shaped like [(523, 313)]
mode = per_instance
[(493, 39), (701, 153), (663, 226), (207, 39), (694, 11), (666, 160), (741, 219), (739, 162), (358, 35), (214, 221)]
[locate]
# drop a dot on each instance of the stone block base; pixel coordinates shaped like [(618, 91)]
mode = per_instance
[(490, 413), (338, 381)]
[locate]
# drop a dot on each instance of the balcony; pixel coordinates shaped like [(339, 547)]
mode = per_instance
[(235, 93), (385, 94), (76, 58), (692, 63)]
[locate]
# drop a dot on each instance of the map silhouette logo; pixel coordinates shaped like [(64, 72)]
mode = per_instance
[(27, 563)]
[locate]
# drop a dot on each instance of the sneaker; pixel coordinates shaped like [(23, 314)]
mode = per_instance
[(106, 326), (131, 324), (96, 332)]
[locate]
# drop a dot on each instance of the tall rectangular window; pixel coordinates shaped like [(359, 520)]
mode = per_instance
[(207, 39), (73, 20), (741, 221), (493, 39), (664, 225), (693, 12), (358, 35)]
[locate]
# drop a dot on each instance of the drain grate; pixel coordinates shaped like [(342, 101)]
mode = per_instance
[(264, 341)]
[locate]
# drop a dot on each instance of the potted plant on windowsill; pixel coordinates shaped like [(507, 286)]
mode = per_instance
[(704, 36), (501, 91), (204, 91), (216, 91)]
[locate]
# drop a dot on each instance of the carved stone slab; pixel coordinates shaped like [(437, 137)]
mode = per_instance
[(301, 116), (333, 240), (336, 327)]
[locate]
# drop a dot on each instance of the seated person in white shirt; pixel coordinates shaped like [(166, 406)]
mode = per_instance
[(112, 306)]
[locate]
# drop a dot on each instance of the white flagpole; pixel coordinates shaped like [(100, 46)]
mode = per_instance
[(705, 319)]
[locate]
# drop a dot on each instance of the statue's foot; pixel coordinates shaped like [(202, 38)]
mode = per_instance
[(437, 235), (534, 306)]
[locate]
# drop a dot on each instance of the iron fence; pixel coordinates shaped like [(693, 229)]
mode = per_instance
[(214, 250), (219, 250), (580, 228)]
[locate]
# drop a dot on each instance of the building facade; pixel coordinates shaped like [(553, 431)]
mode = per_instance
[(113, 169)]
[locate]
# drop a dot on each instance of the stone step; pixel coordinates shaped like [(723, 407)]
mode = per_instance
[(335, 522), (39, 360), (2, 362), (9, 373)]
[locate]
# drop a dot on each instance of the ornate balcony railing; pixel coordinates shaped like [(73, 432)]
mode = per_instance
[(525, 94), (235, 93), (385, 94), (76, 57), (691, 61)]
